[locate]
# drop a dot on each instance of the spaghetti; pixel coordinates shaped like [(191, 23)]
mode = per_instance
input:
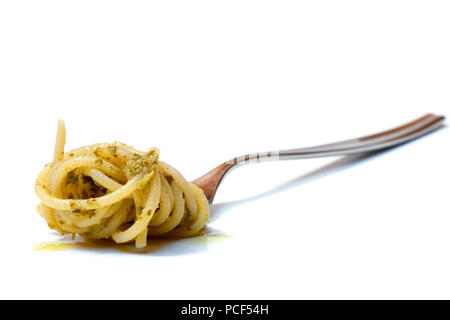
[(113, 191)]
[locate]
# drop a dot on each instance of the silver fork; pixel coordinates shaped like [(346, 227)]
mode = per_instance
[(210, 181)]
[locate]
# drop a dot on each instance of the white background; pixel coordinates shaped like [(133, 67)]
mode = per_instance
[(208, 80)]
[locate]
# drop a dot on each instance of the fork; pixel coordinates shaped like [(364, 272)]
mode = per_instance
[(210, 181)]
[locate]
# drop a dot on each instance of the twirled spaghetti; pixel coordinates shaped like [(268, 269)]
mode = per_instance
[(113, 191)]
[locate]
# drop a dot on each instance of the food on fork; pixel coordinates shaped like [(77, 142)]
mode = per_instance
[(113, 191)]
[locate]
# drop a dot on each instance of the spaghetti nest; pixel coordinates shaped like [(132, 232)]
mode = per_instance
[(114, 191)]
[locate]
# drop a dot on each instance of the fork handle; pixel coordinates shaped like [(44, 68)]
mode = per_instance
[(383, 140), (378, 141)]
